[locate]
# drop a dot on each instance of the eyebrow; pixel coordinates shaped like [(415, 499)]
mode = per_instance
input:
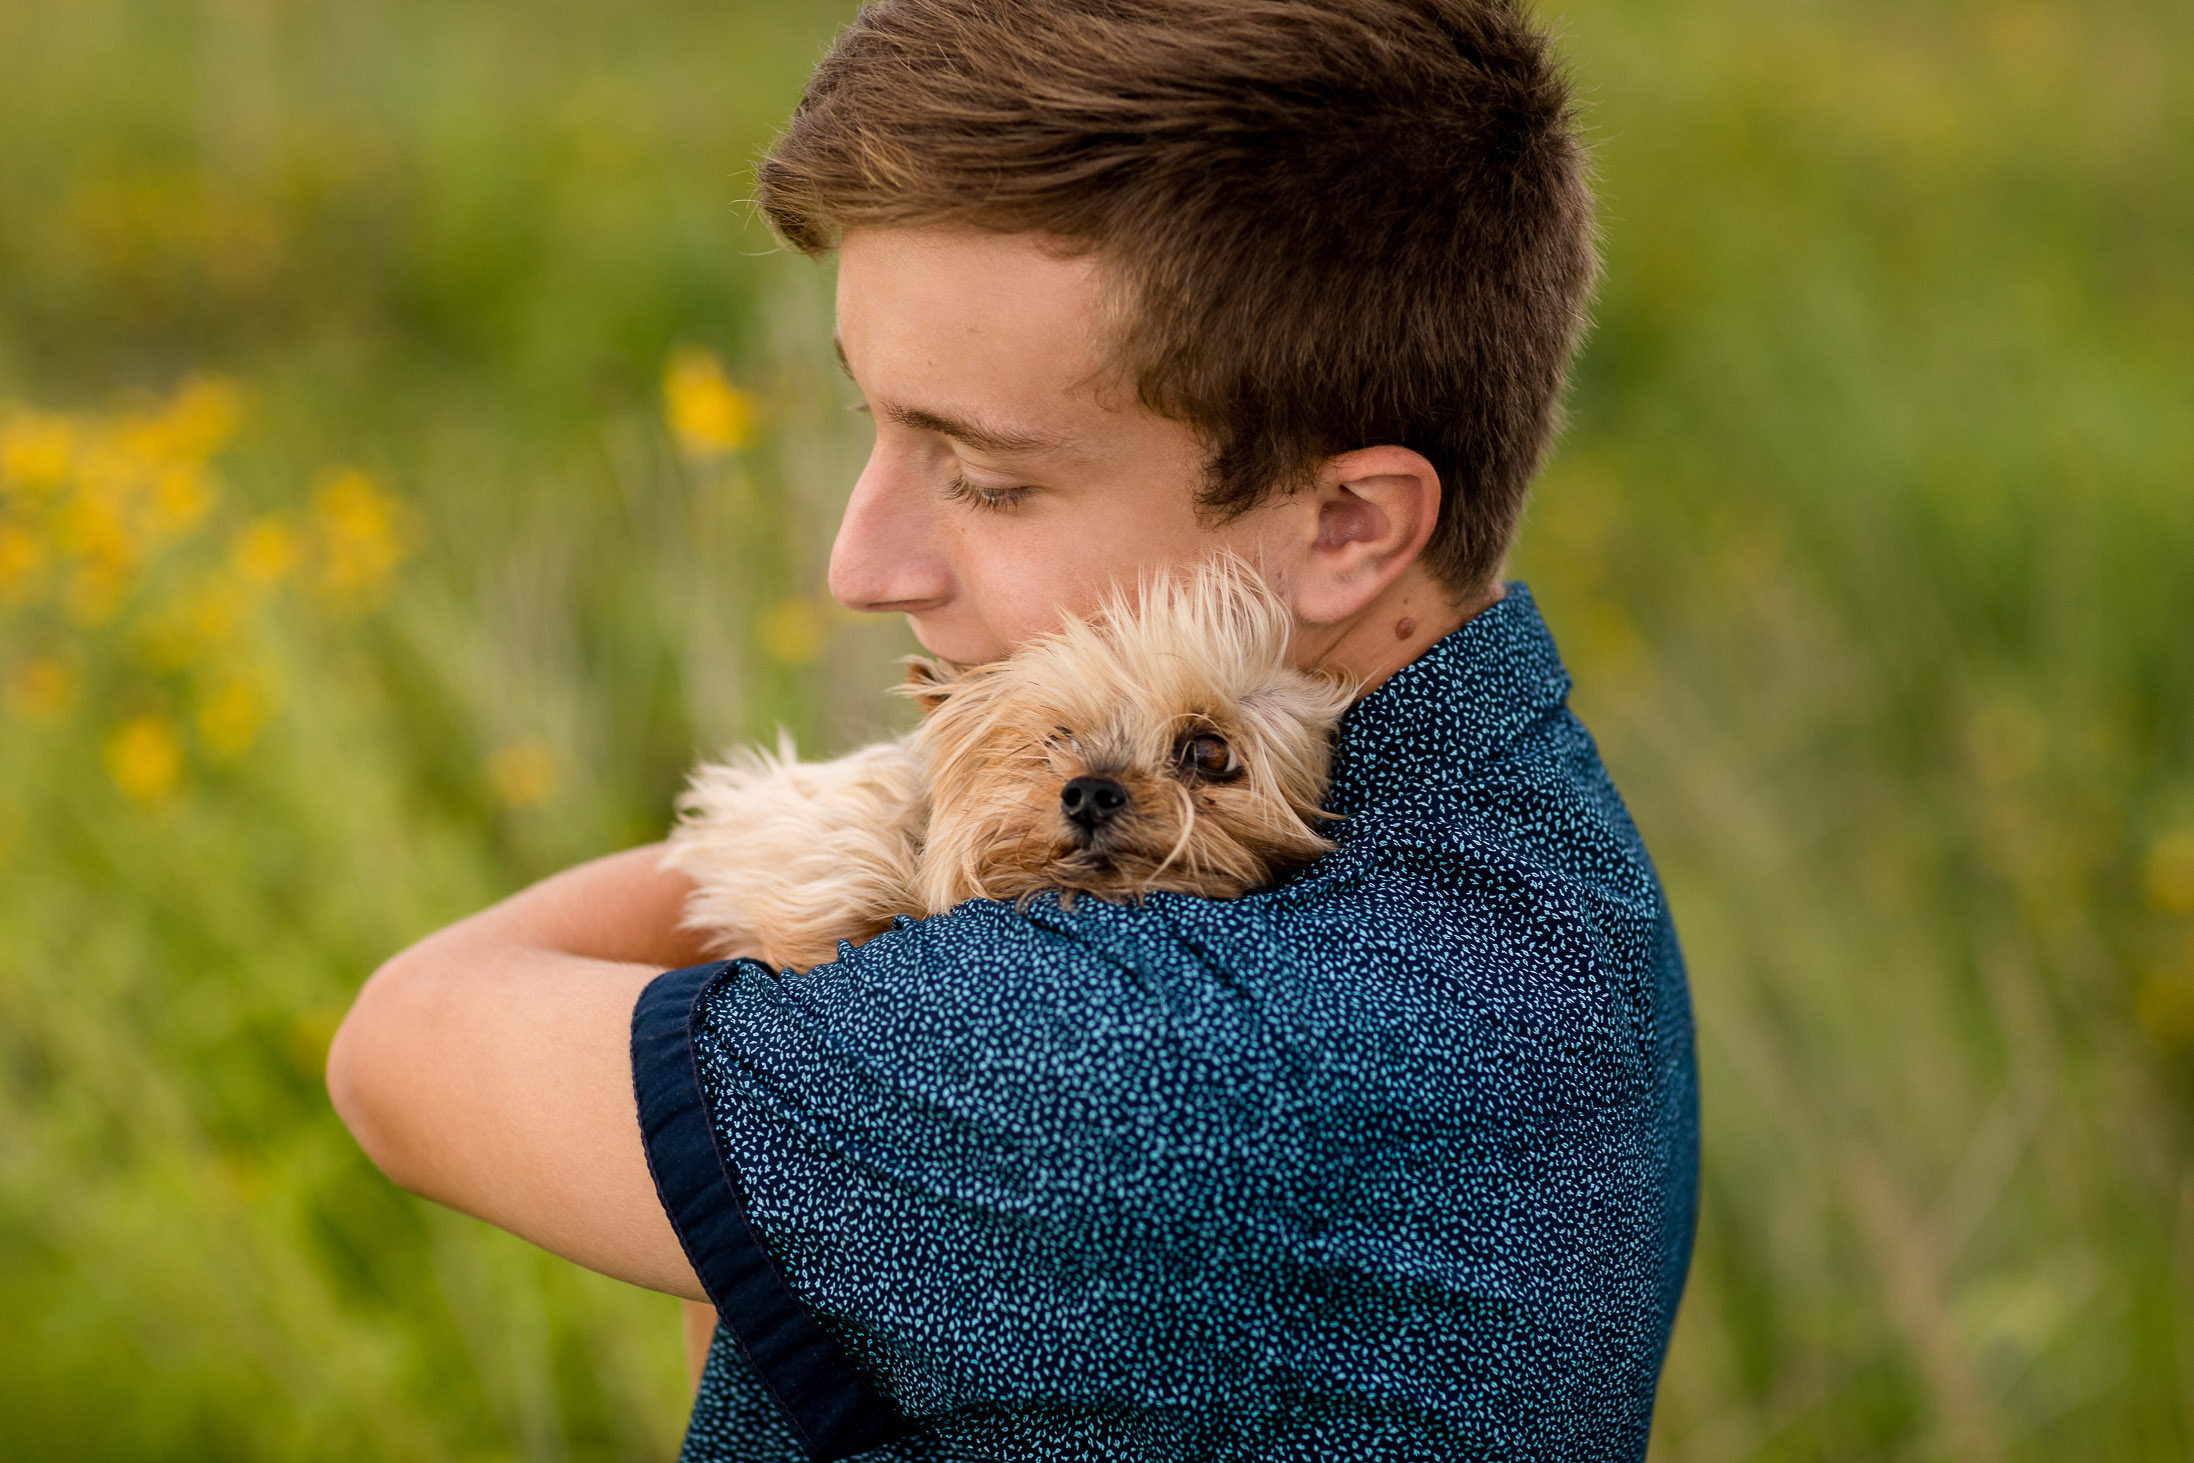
[(984, 436)]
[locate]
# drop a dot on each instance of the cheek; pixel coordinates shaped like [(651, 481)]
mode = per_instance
[(1015, 575), (1014, 593), (983, 619), (1010, 589)]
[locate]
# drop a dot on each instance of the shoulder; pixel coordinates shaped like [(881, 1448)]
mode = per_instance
[(985, 1019)]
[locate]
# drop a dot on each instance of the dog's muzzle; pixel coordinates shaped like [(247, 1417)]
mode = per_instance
[(1092, 802)]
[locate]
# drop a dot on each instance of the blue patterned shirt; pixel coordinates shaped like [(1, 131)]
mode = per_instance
[(1395, 1161)]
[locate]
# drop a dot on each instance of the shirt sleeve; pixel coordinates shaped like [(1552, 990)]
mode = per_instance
[(830, 1405), (987, 1150)]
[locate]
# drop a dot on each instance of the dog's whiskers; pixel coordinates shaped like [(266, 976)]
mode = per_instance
[(1180, 844)]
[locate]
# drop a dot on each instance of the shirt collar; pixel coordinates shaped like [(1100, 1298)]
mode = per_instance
[(1471, 694)]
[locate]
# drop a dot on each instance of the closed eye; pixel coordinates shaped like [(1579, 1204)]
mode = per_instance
[(995, 500)]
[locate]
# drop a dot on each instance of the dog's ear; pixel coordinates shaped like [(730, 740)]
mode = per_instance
[(929, 682)]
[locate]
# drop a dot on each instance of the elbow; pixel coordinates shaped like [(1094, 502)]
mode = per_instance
[(365, 1081)]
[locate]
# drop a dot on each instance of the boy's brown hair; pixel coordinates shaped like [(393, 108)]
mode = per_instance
[(1332, 223)]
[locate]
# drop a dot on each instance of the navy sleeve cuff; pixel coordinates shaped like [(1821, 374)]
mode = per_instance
[(832, 1408)]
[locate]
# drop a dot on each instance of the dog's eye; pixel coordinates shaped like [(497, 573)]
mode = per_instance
[(1063, 737), (1207, 755)]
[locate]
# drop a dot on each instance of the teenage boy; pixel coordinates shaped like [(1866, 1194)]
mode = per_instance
[(1396, 1161)]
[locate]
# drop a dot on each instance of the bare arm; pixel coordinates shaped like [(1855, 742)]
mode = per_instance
[(699, 1318), (488, 1067)]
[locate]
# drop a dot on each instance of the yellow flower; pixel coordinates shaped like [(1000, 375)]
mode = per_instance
[(92, 523), (96, 592), (2168, 872), (361, 537), (522, 773), (192, 425), (109, 476), (706, 413), (232, 714), (145, 758), (264, 551), (41, 689), (792, 633), (182, 494), (21, 557), (36, 449), (194, 626)]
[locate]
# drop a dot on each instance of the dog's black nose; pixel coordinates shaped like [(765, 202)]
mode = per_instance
[(1092, 801)]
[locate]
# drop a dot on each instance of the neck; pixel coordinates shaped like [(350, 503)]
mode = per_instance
[(1394, 629)]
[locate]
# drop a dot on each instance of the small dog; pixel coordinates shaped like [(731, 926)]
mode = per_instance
[(1155, 745)]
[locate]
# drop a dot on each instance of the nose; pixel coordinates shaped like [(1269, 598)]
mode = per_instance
[(885, 557), (1092, 802)]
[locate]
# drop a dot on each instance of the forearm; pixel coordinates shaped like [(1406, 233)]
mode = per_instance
[(485, 1067), (623, 908), (698, 1321)]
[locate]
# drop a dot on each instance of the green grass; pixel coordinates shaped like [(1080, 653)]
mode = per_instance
[(1870, 546)]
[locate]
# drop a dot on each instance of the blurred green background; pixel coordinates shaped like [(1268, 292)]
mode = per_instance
[(411, 453)]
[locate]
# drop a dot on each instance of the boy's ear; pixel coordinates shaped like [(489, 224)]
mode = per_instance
[(1365, 521), (929, 682)]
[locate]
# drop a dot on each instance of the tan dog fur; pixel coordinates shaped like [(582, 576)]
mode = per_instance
[(1181, 698)]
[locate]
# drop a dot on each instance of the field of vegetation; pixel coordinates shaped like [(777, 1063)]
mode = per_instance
[(411, 453)]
